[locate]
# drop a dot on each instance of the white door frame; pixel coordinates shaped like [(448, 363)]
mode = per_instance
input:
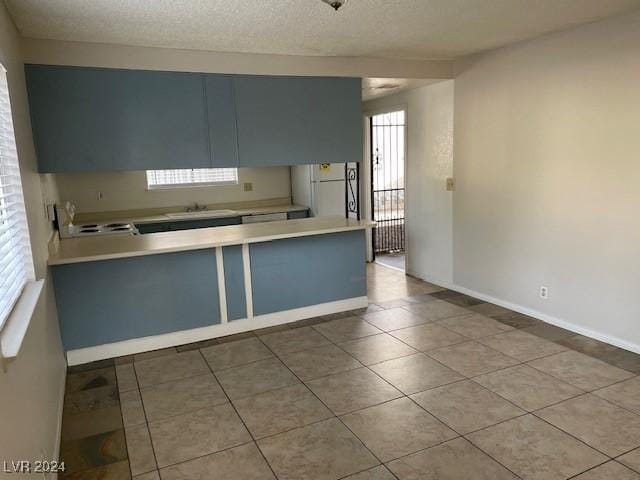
[(366, 176)]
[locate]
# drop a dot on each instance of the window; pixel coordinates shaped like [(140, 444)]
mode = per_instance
[(16, 264), (194, 177)]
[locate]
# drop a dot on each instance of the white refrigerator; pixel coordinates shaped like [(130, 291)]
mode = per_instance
[(321, 188)]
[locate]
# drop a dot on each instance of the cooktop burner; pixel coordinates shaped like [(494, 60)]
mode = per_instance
[(90, 229)]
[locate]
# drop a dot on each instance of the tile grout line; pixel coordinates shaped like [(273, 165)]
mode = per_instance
[(334, 415), (634, 375), (253, 439), (146, 418)]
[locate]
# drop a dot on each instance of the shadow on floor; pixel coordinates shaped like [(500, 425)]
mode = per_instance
[(393, 260)]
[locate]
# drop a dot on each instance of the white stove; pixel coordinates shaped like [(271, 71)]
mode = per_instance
[(93, 229)]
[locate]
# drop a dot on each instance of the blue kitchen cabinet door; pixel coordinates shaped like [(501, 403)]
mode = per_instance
[(95, 119), (300, 272), (122, 299), (298, 120), (204, 223), (221, 112)]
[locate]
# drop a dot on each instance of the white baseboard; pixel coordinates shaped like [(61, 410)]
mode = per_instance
[(587, 332), (145, 344)]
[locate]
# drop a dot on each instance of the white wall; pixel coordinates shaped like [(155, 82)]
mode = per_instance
[(128, 190), (429, 163), (54, 52), (547, 162), (32, 385)]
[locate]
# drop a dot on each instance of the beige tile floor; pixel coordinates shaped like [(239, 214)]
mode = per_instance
[(424, 384)]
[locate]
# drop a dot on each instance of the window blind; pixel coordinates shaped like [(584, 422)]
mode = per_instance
[(191, 177), (16, 264)]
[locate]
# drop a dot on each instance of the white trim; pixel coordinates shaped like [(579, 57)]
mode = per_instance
[(56, 446), (248, 291), (587, 332), (222, 289), (145, 344), (15, 329)]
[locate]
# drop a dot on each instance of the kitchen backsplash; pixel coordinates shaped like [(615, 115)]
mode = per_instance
[(101, 192)]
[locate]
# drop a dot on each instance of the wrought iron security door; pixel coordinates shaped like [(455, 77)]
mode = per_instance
[(387, 133)]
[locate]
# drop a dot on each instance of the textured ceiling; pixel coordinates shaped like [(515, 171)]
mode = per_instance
[(419, 29)]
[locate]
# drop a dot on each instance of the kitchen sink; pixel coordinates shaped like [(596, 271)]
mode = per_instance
[(203, 214)]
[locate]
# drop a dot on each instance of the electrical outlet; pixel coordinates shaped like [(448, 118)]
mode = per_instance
[(451, 185), (544, 292), (248, 186)]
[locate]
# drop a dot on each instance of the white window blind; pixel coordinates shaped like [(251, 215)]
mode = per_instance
[(191, 177), (16, 264)]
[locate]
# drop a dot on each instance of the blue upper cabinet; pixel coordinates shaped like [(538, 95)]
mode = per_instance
[(221, 110), (298, 120), (94, 119), (100, 119)]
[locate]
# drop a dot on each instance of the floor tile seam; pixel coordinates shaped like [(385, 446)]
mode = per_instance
[(417, 352), (145, 387), (360, 364), (594, 467), (593, 355), (338, 418), (586, 390), (144, 411), (617, 459), (236, 366), (450, 440), (439, 323), (126, 444), (169, 417), (447, 317), (372, 371), (378, 404), (95, 467), (335, 342), (609, 457), (501, 369), (518, 362), (599, 398), (240, 416), (171, 465), (470, 377), (346, 477)]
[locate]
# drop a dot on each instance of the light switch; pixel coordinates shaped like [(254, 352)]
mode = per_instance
[(248, 186), (450, 184)]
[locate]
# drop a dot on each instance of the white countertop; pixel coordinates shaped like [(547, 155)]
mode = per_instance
[(77, 250)]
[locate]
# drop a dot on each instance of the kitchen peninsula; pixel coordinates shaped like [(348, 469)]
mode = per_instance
[(128, 294)]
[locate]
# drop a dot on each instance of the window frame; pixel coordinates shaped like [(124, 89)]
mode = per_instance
[(20, 306), (173, 186)]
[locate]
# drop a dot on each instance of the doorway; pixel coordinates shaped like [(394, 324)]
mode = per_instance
[(387, 149)]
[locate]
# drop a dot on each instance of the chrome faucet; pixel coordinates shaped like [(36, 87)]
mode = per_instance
[(196, 208)]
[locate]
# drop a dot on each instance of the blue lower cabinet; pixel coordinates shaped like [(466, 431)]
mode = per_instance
[(204, 223), (234, 282), (304, 271), (297, 214), (144, 228), (114, 300)]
